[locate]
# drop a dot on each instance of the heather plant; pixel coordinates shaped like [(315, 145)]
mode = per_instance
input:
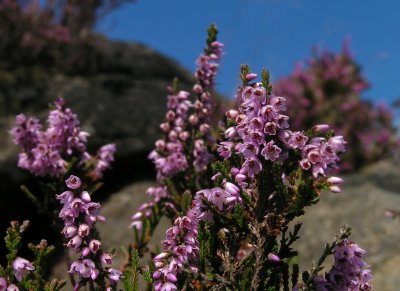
[(182, 157), (232, 198), (40, 39), (79, 215), (328, 90), (52, 154), (237, 234), (21, 274)]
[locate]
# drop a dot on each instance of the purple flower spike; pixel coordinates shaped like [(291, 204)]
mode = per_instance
[(349, 271), (22, 267), (73, 182)]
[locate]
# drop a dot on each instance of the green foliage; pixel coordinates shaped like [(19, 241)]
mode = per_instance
[(131, 274), (186, 202), (35, 280), (244, 71), (265, 80)]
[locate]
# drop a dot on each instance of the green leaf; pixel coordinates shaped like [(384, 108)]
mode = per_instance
[(186, 202)]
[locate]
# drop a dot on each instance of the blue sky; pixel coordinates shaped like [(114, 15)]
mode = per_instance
[(269, 33)]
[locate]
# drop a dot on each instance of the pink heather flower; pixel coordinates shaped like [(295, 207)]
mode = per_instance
[(218, 197), (65, 197), (251, 167), (3, 284), (106, 259), (251, 76), (240, 178), (85, 268), (230, 132), (75, 243), (232, 114), (333, 183), (335, 189), (105, 156), (168, 287), (114, 275), (94, 245), (334, 180), (278, 102), (160, 256), (73, 182), (47, 152), (273, 257), (349, 271), (85, 196), (79, 216), (12, 287), (305, 164), (271, 151), (69, 231), (248, 150), (338, 143), (21, 267), (321, 128), (270, 128), (138, 225), (297, 140), (231, 188)]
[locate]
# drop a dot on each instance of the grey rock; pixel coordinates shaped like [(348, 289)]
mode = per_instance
[(361, 205)]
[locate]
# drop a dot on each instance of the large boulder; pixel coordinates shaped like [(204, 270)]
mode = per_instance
[(123, 102)]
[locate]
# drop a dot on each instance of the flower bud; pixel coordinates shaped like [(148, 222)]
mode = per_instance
[(94, 245), (274, 258), (85, 196), (73, 182), (321, 128), (251, 76)]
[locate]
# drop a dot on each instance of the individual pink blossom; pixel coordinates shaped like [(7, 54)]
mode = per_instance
[(12, 287), (271, 151), (273, 257), (21, 267), (73, 182), (3, 284)]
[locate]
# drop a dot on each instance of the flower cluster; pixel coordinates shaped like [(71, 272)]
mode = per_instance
[(187, 138), (207, 68), (79, 215), (21, 268), (169, 156), (47, 152), (261, 133), (349, 271), (104, 157), (5, 287), (334, 80), (258, 139), (180, 248)]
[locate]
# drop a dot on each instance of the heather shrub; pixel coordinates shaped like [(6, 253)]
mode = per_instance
[(328, 90), (43, 38), (231, 193)]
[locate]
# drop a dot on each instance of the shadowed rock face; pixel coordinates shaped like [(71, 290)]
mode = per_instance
[(123, 103)]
